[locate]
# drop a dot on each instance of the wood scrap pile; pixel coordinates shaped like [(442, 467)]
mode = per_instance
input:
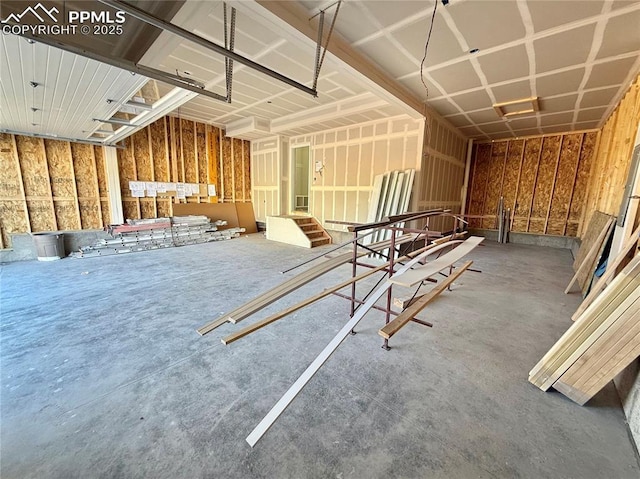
[(605, 337), (157, 233)]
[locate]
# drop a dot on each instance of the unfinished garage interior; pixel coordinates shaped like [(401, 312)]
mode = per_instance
[(320, 239)]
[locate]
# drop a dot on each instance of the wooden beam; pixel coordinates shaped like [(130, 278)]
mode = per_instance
[(588, 259), (14, 151), (408, 314)]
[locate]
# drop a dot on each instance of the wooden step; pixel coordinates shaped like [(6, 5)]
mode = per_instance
[(308, 227), (314, 234), (319, 242)]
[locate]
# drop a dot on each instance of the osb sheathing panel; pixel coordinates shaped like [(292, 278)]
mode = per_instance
[(13, 219), (246, 164), (164, 208), (160, 155), (106, 213), (33, 164), (526, 186), (41, 215), (147, 208), (214, 159), (511, 173), (227, 169), (189, 152), (84, 170), (238, 169), (142, 156), (562, 192), (126, 167), (9, 173), (90, 213), (544, 184), (130, 209), (201, 143), (492, 195), (60, 161), (479, 182), (587, 157), (100, 171), (66, 215)]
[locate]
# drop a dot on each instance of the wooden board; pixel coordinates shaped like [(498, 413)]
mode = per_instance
[(142, 156), (84, 170), (159, 150), (189, 152), (101, 172), (479, 183), (419, 274), (592, 254), (408, 314), (90, 213), (246, 217), (201, 149), (526, 185), (226, 170), (512, 171), (238, 170), (130, 209), (598, 222), (33, 164), (247, 171), (544, 184), (13, 219), (60, 164), (492, 195), (67, 215)]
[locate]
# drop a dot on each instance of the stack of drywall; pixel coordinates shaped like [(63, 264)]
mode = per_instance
[(143, 235), (390, 196), (603, 341)]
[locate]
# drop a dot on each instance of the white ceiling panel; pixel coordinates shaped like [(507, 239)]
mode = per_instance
[(548, 14)]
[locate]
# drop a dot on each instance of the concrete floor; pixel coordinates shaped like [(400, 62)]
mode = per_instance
[(104, 376)]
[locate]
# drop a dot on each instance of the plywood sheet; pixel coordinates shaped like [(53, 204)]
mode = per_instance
[(189, 152), (214, 177), (41, 215), (60, 163), (544, 184), (587, 155), (160, 155), (527, 182), (13, 219), (246, 217), (142, 155), (84, 170), (90, 213), (126, 167), (563, 190), (106, 213), (164, 208), (496, 168), (66, 215), (33, 164)]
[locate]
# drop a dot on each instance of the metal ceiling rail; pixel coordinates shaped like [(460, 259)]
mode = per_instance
[(149, 72), (181, 32), (60, 138)]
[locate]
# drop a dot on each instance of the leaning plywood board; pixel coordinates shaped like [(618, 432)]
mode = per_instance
[(246, 217), (596, 225), (408, 314), (562, 354), (591, 254), (417, 275), (306, 376), (214, 211), (614, 350)]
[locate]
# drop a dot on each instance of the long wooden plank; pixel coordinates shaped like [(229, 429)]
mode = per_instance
[(290, 285), (417, 275), (306, 376), (565, 352), (608, 274), (595, 247), (281, 314), (408, 314)]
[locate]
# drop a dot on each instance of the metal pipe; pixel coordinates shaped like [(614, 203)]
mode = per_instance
[(181, 32)]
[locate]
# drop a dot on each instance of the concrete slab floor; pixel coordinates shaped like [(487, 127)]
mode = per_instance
[(103, 374)]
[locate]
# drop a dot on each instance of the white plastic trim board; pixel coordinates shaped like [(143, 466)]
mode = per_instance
[(417, 275), (313, 368)]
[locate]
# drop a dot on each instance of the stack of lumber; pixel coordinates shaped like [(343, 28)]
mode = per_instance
[(604, 339), (148, 234)]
